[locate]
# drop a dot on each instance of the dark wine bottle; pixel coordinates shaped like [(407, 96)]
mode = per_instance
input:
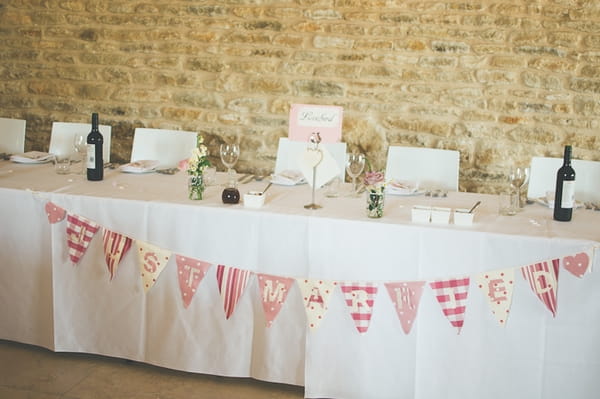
[(564, 196), (95, 160)]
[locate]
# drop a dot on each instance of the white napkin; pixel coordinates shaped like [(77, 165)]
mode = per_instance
[(32, 157), (142, 166), (327, 167), (288, 178), (399, 187)]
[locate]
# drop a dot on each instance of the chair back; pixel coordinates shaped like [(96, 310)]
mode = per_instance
[(12, 135), (289, 155), (63, 136), (542, 178), (168, 147)]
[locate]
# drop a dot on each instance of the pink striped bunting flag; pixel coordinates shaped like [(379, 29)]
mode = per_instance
[(80, 232), (543, 280), (232, 283), (273, 291), (360, 298), (190, 272), (452, 297), (116, 246)]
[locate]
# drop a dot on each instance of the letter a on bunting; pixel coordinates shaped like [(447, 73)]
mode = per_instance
[(80, 232), (232, 283), (405, 296), (190, 273), (116, 246), (316, 294), (543, 280), (152, 262), (452, 297), (360, 298), (273, 291)]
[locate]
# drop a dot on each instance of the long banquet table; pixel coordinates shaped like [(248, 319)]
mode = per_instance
[(45, 300)]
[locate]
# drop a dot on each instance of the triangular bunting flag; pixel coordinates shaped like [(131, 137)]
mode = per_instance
[(273, 291), (115, 247), (190, 272), (497, 286), (152, 262), (315, 294), (80, 232), (360, 298), (232, 283), (452, 297), (54, 212), (406, 296), (543, 280), (578, 264)]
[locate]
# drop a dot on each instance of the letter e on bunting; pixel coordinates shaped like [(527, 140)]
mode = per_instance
[(452, 297), (405, 296), (543, 280), (80, 232), (232, 283), (360, 298), (190, 273), (116, 246), (497, 286), (273, 291), (152, 261), (578, 264), (54, 212), (316, 295)]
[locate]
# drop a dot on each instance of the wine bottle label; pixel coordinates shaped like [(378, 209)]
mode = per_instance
[(568, 194), (91, 156)]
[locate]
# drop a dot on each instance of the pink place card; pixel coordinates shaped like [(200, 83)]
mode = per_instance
[(306, 119)]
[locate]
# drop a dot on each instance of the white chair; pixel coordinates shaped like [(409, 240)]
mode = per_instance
[(542, 178), (166, 146), (12, 135), (63, 136), (289, 155), (425, 167)]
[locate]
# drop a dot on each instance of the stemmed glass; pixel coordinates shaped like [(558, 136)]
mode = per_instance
[(354, 167), (80, 147), (229, 156), (519, 177)]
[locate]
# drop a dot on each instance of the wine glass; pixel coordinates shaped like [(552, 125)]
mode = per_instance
[(229, 156), (354, 167), (519, 177), (80, 147)]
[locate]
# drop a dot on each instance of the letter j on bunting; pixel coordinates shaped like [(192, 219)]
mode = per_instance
[(360, 298), (232, 284), (80, 232), (543, 280), (452, 297), (273, 291)]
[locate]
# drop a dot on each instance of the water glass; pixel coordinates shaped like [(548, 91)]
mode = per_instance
[(508, 203), (62, 164)]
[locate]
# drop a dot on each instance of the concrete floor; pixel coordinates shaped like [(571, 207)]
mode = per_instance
[(30, 372)]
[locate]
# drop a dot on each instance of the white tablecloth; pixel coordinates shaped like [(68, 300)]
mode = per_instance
[(45, 300)]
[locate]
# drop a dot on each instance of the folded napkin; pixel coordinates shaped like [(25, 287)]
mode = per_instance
[(142, 166), (398, 187), (288, 178), (32, 157)]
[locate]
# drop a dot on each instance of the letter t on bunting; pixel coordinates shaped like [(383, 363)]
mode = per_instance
[(452, 297)]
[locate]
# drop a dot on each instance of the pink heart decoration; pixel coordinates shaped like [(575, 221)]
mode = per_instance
[(54, 212), (578, 264)]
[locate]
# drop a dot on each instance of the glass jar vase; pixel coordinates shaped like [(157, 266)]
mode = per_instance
[(195, 187), (375, 202)]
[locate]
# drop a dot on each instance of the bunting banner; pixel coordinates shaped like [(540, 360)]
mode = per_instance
[(80, 232), (190, 273), (543, 280), (360, 298), (232, 284), (497, 286), (315, 295), (578, 264), (452, 297), (115, 247), (405, 296), (152, 260), (55, 213), (273, 291)]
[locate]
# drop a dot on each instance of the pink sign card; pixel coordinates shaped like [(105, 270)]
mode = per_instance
[(306, 119)]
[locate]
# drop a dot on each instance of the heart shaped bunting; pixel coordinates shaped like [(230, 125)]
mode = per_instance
[(578, 264)]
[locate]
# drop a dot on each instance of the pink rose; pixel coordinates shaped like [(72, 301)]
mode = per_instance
[(373, 178)]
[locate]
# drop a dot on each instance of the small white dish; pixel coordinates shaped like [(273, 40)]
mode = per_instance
[(254, 199), (421, 214), (141, 166), (440, 215), (462, 217)]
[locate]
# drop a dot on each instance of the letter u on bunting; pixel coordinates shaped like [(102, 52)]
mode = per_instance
[(273, 291), (543, 280), (452, 297), (497, 286), (232, 283), (115, 247), (360, 298), (152, 261), (190, 273), (405, 296), (80, 232), (316, 294)]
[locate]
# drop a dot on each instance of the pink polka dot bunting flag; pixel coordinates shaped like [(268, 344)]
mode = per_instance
[(316, 295), (115, 247), (405, 296), (578, 264), (452, 297), (152, 261), (360, 298), (54, 212), (497, 286), (190, 273), (543, 280), (232, 284), (273, 291), (80, 232)]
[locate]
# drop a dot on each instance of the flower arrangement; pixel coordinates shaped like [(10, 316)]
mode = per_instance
[(375, 186), (196, 165), (374, 181)]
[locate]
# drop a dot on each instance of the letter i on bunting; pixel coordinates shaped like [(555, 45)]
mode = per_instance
[(543, 280), (316, 294), (405, 296), (152, 261), (190, 273), (232, 283), (497, 286), (116, 246), (452, 297), (80, 232), (360, 298), (273, 291)]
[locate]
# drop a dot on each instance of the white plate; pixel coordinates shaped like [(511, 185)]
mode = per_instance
[(142, 166), (288, 178), (32, 157)]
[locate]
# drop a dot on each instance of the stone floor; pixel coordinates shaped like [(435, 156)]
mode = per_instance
[(30, 372)]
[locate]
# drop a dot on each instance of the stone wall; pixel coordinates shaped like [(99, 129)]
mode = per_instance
[(498, 80)]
